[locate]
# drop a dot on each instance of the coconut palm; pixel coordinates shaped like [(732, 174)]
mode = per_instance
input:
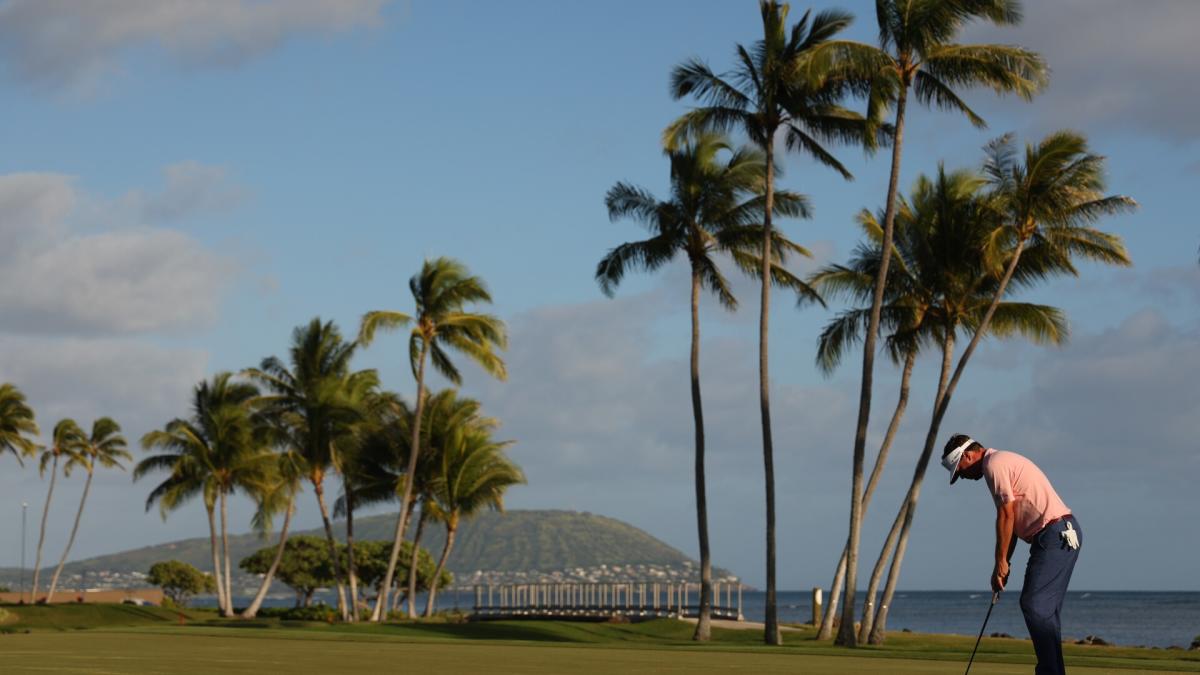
[(447, 412), (714, 209), (310, 392), (774, 89), (17, 423), (66, 441), (1047, 206), (473, 475), (275, 497), (917, 53), (941, 280), (442, 290), (366, 409), (221, 449), (104, 447)]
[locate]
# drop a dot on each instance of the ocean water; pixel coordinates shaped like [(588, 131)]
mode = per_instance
[(1153, 619)]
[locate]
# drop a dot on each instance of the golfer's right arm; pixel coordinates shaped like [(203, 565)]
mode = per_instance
[(1005, 543)]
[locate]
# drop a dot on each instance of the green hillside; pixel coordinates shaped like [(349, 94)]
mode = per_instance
[(511, 541)]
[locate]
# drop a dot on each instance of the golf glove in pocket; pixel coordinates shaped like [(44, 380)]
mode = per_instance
[(1070, 537)]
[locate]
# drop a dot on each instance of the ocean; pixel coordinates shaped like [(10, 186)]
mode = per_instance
[(1153, 619), (1130, 618)]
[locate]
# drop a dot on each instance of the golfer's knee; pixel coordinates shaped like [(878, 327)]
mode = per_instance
[(1038, 615)]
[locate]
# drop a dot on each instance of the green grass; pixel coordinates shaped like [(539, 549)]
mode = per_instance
[(18, 618), (150, 640)]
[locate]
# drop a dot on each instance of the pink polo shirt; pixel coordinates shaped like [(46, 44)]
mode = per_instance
[(1012, 477)]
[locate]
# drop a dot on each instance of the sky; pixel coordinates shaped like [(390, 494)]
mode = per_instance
[(182, 183)]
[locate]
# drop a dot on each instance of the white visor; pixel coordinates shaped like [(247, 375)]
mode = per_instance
[(952, 458)]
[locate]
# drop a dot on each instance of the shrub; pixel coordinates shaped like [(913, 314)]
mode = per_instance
[(319, 612), (179, 581)]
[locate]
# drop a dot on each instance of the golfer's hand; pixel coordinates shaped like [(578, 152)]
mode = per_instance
[(1000, 576)]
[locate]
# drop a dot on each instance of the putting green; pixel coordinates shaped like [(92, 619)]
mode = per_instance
[(185, 651)]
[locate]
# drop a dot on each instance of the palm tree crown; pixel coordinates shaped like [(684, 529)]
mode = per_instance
[(17, 423)]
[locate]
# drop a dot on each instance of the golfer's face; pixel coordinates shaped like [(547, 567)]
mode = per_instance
[(973, 470)]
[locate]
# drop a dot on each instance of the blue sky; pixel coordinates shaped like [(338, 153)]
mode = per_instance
[(183, 183)]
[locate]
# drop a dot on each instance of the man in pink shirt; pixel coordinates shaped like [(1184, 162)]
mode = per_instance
[(1027, 507)]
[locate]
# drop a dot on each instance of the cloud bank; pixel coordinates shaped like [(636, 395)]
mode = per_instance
[(75, 46)]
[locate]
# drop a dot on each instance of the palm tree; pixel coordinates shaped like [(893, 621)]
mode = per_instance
[(66, 441), (473, 475), (223, 448), (774, 88), (917, 53), (106, 447), (279, 495), (706, 215), (310, 393), (442, 290), (1046, 208), (16, 423), (366, 409), (940, 280)]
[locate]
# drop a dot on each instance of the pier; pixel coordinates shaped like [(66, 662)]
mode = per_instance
[(635, 601)]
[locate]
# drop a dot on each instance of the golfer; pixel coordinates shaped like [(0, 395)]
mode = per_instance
[(1027, 507)]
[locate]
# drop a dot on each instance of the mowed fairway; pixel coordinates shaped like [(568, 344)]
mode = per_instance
[(267, 651)]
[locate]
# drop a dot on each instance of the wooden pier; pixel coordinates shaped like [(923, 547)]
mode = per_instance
[(635, 601)]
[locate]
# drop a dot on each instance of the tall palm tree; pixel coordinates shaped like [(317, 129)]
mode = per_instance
[(221, 449), (917, 52), (365, 409), (714, 209), (17, 423), (473, 475), (272, 498), (940, 280), (1048, 205), (104, 447), (66, 441), (277, 496), (310, 393), (774, 89), (442, 290)]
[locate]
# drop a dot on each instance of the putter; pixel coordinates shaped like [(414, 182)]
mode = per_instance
[(995, 597)]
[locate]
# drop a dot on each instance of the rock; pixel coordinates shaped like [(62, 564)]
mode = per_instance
[(1092, 640), (1001, 635), (905, 630)]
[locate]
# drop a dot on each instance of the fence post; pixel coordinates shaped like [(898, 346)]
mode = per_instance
[(816, 607)]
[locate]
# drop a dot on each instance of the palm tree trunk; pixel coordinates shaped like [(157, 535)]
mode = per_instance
[(261, 595), (87, 485), (874, 627), (704, 622), (935, 424), (846, 635), (225, 555), (216, 555), (413, 451), (414, 559), (835, 592), (881, 460), (437, 571), (351, 569), (37, 565), (771, 634), (319, 488)]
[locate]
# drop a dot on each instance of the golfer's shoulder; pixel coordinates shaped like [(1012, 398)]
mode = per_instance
[(1004, 460)]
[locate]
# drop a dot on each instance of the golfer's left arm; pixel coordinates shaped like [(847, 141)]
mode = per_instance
[(1006, 543)]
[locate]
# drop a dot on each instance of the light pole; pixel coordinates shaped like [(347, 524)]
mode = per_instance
[(21, 584)]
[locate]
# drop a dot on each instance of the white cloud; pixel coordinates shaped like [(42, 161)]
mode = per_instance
[(1115, 64), (140, 384), (60, 279), (191, 189), (63, 44)]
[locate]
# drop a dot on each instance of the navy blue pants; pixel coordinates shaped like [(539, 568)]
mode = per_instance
[(1046, 579)]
